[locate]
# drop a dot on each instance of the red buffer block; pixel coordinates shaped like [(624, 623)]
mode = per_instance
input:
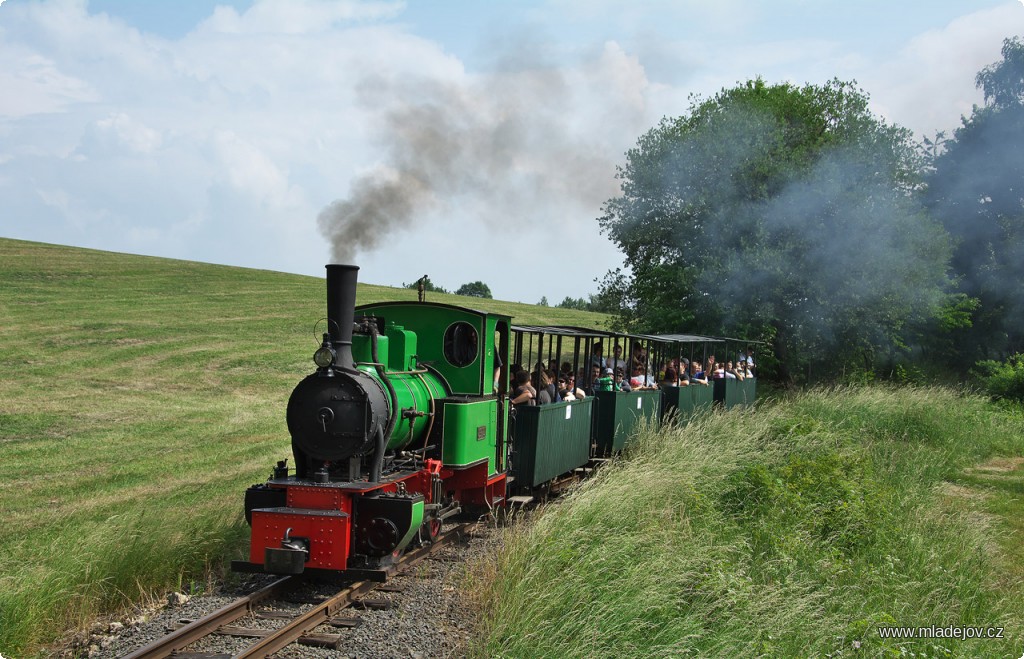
[(324, 533)]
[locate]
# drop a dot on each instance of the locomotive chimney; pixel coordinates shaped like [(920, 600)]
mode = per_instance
[(341, 310)]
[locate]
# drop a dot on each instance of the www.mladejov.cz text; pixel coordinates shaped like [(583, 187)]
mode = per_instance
[(937, 631)]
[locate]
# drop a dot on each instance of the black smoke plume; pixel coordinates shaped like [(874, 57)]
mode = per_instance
[(517, 144)]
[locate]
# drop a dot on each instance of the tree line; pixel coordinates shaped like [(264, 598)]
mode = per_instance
[(794, 216), (471, 289)]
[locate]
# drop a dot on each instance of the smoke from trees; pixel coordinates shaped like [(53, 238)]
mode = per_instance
[(976, 189), (780, 213)]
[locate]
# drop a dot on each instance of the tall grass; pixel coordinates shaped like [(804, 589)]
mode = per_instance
[(795, 531), (139, 398)]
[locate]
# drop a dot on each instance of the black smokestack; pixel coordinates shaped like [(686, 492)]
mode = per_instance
[(341, 310)]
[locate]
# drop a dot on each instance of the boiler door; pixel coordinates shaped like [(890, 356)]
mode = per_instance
[(331, 418)]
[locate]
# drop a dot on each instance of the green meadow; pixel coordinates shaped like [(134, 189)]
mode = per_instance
[(139, 397), (809, 528)]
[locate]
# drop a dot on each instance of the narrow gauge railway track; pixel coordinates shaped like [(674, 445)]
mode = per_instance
[(269, 641)]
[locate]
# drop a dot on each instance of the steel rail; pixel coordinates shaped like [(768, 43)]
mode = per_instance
[(318, 615), (322, 612), (296, 628), (192, 632)]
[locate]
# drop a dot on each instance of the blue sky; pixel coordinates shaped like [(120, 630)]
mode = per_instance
[(221, 131)]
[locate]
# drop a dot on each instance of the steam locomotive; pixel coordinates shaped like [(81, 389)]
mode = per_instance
[(402, 425), (394, 432)]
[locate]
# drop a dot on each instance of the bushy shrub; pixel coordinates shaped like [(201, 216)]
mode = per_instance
[(1003, 381), (856, 375), (908, 373)]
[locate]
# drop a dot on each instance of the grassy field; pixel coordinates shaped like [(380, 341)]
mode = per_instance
[(139, 398), (798, 531)]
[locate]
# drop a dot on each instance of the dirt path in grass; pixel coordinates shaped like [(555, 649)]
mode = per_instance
[(993, 493)]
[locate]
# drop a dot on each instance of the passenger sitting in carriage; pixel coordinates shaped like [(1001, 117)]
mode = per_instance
[(621, 383), (684, 376), (641, 379), (616, 362), (544, 387), (564, 392), (698, 375), (572, 392), (670, 378), (523, 393)]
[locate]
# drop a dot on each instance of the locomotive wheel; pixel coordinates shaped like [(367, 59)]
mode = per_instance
[(429, 531), (433, 529)]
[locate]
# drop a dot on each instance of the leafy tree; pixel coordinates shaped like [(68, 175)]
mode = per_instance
[(782, 213), (609, 302), (1003, 82), (600, 303), (976, 189), (1003, 381), (475, 289), (543, 301), (573, 303), (428, 286)]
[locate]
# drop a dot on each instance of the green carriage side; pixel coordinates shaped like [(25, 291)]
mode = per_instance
[(551, 440), (619, 413), (686, 402)]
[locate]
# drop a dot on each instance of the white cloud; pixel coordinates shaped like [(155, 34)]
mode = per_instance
[(929, 84), (131, 142), (118, 132), (250, 170), (33, 84), (277, 17)]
